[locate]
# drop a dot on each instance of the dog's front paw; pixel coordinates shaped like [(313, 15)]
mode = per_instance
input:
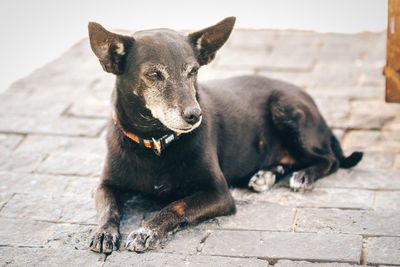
[(142, 239), (299, 181), (105, 241), (262, 181)]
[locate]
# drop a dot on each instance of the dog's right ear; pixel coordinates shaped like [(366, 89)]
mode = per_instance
[(110, 48)]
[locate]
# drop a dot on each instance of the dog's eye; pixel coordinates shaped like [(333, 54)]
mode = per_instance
[(193, 72), (155, 75)]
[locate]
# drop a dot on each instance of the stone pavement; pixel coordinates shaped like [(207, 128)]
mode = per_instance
[(52, 127)]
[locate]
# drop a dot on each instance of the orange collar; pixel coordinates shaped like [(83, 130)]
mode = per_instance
[(157, 145)]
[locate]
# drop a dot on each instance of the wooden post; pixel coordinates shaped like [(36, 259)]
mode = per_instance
[(392, 69)]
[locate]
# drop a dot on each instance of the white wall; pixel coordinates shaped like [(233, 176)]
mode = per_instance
[(34, 32)]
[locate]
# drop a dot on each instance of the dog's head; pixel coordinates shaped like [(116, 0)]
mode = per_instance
[(160, 68)]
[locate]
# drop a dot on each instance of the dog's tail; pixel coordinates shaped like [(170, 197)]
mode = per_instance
[(345, 162)]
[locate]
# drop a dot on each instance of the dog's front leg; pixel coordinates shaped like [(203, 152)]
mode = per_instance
[(190, 210), (106, 238)]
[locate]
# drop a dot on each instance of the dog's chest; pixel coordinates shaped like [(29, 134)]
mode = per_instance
[(154, 177)]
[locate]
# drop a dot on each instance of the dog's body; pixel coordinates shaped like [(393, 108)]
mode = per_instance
[(246, 125)]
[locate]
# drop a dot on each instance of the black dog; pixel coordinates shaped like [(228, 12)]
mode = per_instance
[(187, 142)]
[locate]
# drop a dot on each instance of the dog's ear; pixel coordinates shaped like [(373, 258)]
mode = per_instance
[(110, 48), (206, 42)]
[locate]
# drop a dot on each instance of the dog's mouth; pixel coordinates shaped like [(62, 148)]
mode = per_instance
[(186, 130)]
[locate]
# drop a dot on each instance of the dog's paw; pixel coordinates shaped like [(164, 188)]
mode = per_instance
[(299, 181), (262, 181), (142, 239), (105, 241)]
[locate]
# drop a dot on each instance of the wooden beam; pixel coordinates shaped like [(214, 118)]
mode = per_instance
[(392, 68)]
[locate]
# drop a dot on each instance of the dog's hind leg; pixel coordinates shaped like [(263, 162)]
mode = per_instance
[(307, 138)]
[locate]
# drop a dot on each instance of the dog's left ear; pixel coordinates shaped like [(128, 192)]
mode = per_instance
[(110, 48), (206, 42)]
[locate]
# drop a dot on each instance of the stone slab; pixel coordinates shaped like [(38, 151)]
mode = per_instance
[(348, 221), (282, 245), (384, 250)]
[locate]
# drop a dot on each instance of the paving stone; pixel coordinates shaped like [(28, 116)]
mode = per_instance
[(350, 92), (87, 164), (83, 186), (96, 101), (318, 197), (49, 257), (342, 48), (70, 237), (57, 126), (36, 105), (392, 125), (14, 232), (376, 160), (326, 75), (372, 140), (295, 77), (4, 198), (396, 164), (251, 39), (243, 59), (348, 221), (64, 144), (176, 260), (283, 245), (21, 161), (92, 108), (56, 208), (259, 216), (288, 263), (32, 183), (188, 241), (366, 121), (373, 75), (384, 250), (362, 179), (386, 201), (8, 142), (334, 110), (286, 58), (361, 116)]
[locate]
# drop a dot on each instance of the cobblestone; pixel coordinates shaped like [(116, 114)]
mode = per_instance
[(50, 208), (319, 197), (365, 179), (287, 263), (24, 233), (161, 259), (57, 126), (377, 223), (388, 201), (384, 250), (300, 246), (72, 164), (8, 142), (48, 257)]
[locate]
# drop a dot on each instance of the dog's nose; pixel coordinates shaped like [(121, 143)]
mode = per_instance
[(192, 115)]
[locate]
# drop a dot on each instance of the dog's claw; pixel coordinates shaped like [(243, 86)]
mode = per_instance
[(104, 241), (142, 239)]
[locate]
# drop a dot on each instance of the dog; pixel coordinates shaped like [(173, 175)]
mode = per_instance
[(187, 142)]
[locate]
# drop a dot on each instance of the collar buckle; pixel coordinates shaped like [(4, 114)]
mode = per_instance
[(156, 146)]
